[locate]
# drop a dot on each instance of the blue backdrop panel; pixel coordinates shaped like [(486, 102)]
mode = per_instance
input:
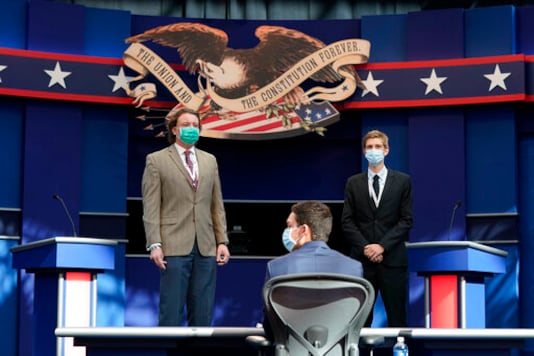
[(238, 300), (490, 31), (525, 124), (491, 142), (11, 134), (387, 34), (437, 163), (393, 123), (491, 153), (55, 27), (138, 148), (525, 29), (104, 161), (526, 226), (13, 24), (289, 169), (111, 287), (8, 298), (502, 291), (436, 34), (436, 144), (101, 40), (51, 166), (142, 292)]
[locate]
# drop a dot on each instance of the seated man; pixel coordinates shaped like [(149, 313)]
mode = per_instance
[(308, 227)]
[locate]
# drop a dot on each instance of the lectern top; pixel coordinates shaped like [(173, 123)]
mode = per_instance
[(64, 239), (471, 244)]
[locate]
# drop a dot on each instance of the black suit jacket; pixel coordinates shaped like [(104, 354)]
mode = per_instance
[(387, 225)]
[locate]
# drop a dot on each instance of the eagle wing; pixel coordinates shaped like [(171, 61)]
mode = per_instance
[(192, 40), (280, 48)]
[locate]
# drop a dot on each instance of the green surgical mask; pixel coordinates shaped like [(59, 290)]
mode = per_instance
[(189, 135)]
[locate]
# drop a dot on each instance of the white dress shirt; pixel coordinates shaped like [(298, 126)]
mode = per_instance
[(382, 175)]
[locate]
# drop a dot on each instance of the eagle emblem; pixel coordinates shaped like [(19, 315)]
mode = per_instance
[(271, 79)]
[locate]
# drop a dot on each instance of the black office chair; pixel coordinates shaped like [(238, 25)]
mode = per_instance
[(317, 313)]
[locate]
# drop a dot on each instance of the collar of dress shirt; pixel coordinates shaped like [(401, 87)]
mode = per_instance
[(382, 174), (181, 150)]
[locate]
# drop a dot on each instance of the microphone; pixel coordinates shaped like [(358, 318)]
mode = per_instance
[(456, 206), (58, 197)]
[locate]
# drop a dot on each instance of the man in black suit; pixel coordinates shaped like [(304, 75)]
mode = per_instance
[(377, 216)]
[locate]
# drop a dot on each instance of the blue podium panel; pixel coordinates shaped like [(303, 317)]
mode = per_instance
[(455, 256), (454, 273), (65, 271), (65, 253)]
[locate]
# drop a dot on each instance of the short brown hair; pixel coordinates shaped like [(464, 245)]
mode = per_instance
[(316, 215), (172, 119), (375, 134)]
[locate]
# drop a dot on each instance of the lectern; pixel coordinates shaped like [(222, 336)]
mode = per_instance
[(454, 273), (65, 270)]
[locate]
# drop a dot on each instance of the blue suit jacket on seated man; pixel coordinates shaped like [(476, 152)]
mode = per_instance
[(308, 227)]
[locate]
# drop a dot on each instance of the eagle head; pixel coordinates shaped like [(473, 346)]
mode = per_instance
[(230, 74)]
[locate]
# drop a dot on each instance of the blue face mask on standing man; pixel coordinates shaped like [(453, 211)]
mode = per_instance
[(374, 156)]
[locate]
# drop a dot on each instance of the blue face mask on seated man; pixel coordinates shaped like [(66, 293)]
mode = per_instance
[(288, 242), (189, 135), (374, 156)]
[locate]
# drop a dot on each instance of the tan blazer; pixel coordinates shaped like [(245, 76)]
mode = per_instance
[(173, 213)]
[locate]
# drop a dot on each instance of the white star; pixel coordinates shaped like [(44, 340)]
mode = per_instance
[(497, 78), (57, 76), (371, 85), (433, 82), (1, 69), (120, 80)]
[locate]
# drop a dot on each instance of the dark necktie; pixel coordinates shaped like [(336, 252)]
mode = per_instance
[(189, 163), (376, 186)]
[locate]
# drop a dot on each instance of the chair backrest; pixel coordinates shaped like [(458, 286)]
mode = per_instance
[(317, 313)]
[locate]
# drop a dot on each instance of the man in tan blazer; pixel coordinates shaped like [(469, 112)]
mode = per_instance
[(185, 222)]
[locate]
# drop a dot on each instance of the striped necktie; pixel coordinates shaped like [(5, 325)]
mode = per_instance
[(189, 162)]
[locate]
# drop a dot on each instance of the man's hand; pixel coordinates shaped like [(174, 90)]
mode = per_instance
[(374, 252), (156, 256), (223, 255)]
